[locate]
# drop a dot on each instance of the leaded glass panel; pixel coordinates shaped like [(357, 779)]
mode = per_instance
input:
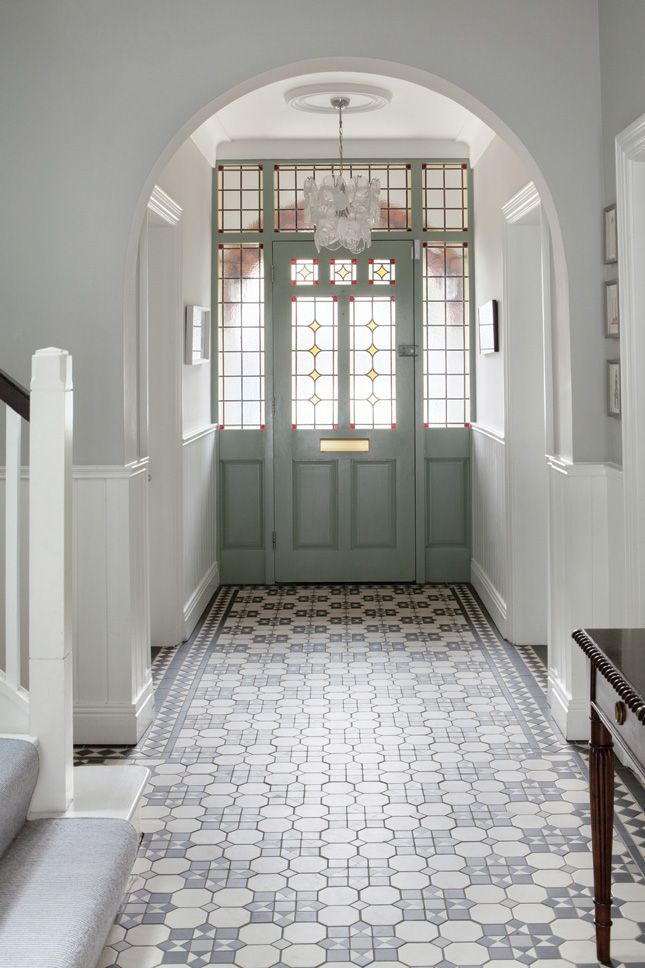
[(381, 272), (342, 272), (314, 362), (304, 272), (239, 198), (241, 336), (372, 368), (395, 182), (446, 330), (445, 197)]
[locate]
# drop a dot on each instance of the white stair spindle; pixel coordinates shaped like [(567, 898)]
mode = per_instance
[(12, 547), (50, 577)]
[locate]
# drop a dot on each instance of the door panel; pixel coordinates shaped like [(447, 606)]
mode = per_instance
[(315, 504), (337, 326), (374, 504)]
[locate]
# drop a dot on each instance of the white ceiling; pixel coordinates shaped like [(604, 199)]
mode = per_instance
[(261, 124)]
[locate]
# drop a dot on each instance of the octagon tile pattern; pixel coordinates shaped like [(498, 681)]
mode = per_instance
[(364, 776)]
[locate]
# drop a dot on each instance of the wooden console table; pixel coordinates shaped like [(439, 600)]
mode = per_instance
[(617, 698)]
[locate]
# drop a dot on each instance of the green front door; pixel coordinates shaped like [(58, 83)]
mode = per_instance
[(344, 374)]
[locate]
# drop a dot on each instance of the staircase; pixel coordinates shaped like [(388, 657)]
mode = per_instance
[(61, 880), (68, 835)]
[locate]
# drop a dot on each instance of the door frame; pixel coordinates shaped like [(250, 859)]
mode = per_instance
[(440, 453)]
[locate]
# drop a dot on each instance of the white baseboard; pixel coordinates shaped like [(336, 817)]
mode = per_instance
[(571, 715), (14, 708), (489, 595), (118, 724), (200, 599)]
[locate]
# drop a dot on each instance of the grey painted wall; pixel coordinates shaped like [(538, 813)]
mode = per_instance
[(95, 98), (498, 175), (622, 65), (188, 179)]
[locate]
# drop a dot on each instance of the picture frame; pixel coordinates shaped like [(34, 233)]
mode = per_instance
[(487, 316), (614, 407), (610, 235), (612, 310), (197, 335)]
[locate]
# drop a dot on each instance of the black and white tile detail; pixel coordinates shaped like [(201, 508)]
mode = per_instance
[(364, 776)]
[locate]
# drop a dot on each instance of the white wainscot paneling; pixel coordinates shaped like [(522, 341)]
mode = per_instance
[(489, 554), (111, 644), (201, 571), (586, 577), (113, 694)]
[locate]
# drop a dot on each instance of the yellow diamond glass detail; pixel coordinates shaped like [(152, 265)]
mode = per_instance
[(372, 374), (315, 326), (372, 350)]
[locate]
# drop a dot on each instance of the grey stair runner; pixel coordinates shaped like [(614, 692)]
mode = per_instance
[(18, 775), (61, 883)]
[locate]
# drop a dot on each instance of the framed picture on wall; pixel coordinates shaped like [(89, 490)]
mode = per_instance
[(610, 235), (613, 388), (197, 337), (488, 327), (612, 313)]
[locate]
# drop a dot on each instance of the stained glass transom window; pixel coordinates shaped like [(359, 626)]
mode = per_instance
[(239, 198), (395, 182), (314, 362), (304, 272), (241, 336), (342, 272), (372, 368), (446, 331), (381, 272), (445, 197)]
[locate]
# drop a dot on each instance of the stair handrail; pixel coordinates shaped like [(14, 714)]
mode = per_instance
[(14, 395)]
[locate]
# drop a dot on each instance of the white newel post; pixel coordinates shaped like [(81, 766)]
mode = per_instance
[(50, 576)]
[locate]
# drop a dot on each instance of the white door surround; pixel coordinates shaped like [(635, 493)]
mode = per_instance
[(630, 187), (162, 319), (525, 337)]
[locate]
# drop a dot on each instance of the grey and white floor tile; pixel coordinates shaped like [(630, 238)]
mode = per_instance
[(364, 776)]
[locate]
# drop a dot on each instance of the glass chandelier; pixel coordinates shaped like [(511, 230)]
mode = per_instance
[(342, 210)]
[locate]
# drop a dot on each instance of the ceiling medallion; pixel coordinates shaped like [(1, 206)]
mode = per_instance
[(317, 98), (342, 209)]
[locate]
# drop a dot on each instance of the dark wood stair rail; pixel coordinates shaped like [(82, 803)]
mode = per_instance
[(14, 395)]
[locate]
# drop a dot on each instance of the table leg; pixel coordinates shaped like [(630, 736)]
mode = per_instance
[(601, 789)]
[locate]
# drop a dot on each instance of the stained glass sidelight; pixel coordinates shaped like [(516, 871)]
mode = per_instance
[(381, 272), (372, 368), (342, 272), (445, 197), (395, 179), (446, 331), (241, 336), (304, 272), (239, 198), (314, 362)]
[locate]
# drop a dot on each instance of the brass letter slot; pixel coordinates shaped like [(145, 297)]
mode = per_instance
[(346, 445)]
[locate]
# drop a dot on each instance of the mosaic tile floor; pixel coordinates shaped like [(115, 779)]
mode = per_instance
[(358, 776)]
